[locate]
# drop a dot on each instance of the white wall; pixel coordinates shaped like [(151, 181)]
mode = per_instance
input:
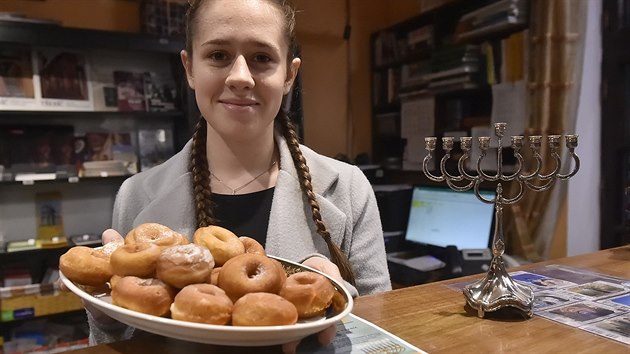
[(583, 231)]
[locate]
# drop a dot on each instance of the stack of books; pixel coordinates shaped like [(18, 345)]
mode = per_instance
[(496, 17), (455, 68)]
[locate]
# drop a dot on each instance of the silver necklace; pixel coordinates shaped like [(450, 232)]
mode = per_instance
[(235, 190)]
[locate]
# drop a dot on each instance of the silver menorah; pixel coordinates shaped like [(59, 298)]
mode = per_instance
[(497, 289)]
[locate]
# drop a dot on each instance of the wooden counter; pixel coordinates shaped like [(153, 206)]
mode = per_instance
[(433, 318)]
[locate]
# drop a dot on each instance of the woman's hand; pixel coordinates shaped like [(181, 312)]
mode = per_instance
[(326, 336)]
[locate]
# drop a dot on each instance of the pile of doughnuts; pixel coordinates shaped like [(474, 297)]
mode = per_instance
[(219, 278)]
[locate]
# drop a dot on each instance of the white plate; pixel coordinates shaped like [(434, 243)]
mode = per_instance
[(216, 334)]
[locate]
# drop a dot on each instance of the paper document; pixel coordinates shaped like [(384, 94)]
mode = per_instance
[(356, 335)]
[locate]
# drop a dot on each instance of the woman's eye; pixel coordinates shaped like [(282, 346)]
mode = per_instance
[(218, 56), (262, 58)]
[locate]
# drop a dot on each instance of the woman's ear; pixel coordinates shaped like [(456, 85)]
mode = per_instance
[(293, 70), (187, 63)]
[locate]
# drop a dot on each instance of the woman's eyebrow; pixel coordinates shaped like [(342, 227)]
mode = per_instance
[(256, 43)]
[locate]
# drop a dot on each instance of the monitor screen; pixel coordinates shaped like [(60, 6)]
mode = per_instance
[(443, 217)]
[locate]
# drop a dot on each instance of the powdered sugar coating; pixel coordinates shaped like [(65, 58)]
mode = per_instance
[(110, 247), (188, 254)]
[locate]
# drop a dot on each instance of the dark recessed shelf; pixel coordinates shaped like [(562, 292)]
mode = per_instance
[(90, 114), (56, 36), (70, 180)]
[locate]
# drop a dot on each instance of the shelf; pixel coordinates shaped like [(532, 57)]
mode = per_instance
[(74, 312), (91, 114), (72, 180), (56, 36), (36, 300)]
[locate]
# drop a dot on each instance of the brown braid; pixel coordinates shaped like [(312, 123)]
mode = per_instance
[(201, 176), (337, 256)]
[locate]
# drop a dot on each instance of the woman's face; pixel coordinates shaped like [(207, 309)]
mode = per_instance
[(238, 67)]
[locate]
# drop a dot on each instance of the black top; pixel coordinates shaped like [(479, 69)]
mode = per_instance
[(244, 214)]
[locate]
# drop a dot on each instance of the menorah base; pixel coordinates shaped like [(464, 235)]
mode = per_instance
[(497, 290)]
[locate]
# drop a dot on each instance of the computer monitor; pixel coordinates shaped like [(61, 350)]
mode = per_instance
[(440, 216)]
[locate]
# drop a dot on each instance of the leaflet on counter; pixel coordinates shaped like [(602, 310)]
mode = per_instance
[(356, 335)]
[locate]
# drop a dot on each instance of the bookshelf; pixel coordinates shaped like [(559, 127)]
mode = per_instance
[(436, 73), (86, 199)]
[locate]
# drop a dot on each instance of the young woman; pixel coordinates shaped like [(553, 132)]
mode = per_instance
[(244, 168)]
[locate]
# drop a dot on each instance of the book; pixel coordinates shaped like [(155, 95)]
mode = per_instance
[(155, 146), (17, 90), (49, 216), (62, 79), (107, 154), (160, 92), (130, 88), (98, 146), (124, 151), (36, 148)]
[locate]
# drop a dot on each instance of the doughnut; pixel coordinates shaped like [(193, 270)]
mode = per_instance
[(263, 309), (252, 246), (339, 303), (182, 265), (85, 266), (250, 273), (310, 292), (202, 303), (214, 276), (113, 280), (280, 269), (150, 296), (110, 247), (155, 233), (222, 243), (137, 259)]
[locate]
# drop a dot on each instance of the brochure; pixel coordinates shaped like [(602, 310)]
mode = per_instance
[(356, 335)]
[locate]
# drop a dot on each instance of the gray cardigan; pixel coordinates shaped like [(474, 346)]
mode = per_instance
[(348, 207)]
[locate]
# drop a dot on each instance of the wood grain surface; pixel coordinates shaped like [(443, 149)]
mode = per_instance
[(433, 318)]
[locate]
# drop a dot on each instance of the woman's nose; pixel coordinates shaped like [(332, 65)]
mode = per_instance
[(239, 76)]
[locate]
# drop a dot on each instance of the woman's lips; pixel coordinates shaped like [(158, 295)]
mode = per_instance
[(241, 106)]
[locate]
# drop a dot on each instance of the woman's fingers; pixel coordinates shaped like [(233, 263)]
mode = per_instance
[(110, 235), (290, 348), (326, 336), (324, 266)]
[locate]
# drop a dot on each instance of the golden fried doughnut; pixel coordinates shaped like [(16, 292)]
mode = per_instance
[(310, 292), (263, 309), (222, 243), (214, 276), (139, 259), (202, 303), (252, 246), (110, 247), (155, 233), (184, 265), (85, 266), (250, 273), (150, 296)]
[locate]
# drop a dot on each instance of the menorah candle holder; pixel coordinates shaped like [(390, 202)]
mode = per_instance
[(497, 289)]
